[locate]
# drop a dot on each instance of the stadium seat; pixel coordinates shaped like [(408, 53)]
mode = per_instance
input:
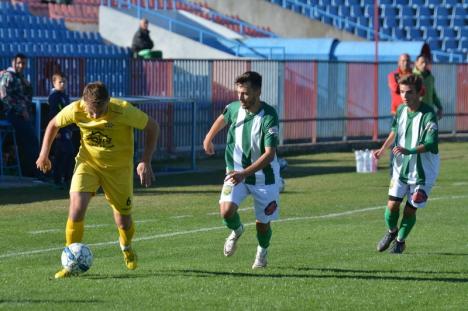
[(451, 2), (344, 11), (402, 2), (406, 11), (338, 2), (353, 2), (385, 32), (363, 21), (464, 32), (361, 32), (386, 2), (463, 45), (391, 22), (448, 33), (442, 11), (424, 22), (407, 21), (416, 3), (415, 34), (459, 21), (434, 3), (450, 44), (389, 11), (332, 10), (424, 12), (431, 33), (434, 44), (442, 21), (357, 11), (399, 33)]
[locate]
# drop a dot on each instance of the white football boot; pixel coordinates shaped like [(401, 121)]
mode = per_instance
[(230, 244), (260, 258)]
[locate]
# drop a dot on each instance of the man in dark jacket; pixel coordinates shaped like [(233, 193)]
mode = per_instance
[(141, 39)]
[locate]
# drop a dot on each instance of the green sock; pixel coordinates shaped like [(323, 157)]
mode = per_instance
[(232, 222), (391, 218), (264, 238), (407, 224)]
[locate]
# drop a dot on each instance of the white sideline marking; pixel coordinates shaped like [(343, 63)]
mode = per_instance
[(181, 216), (56, 230), (173, 234)]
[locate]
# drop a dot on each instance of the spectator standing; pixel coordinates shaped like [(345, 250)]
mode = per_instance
[(430, 96), (64, 150), (142, 40), (16, 97), (404, 68)]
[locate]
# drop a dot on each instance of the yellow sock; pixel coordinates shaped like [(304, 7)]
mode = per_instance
[(74, 231), (126, 236)]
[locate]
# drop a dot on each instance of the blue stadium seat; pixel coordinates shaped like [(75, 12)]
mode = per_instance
[(386, 2), (448, 33), (424, 11), (464, 32), (325, 2), (442, 21), (357, 11), (431, 33), (434, 44), (344, 11), (361, 32), (425, 22), (391, 22), (327, 20), (415, 34), (451, 2), (386, 32), (434, 3), (406, 11), (388, 11), (353, 2), (402, 2), (459, 21), (450, 44), (463, 45), (338, 2), (363, 21), (333, 10), (459, 10), (442, 11), (399, 33), (407, 21), (416, 3)]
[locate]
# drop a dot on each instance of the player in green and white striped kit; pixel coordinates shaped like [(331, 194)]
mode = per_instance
[(251, 163), (415, 165)]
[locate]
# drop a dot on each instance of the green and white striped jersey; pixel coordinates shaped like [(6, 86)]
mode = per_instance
[(412, 129), (248, 135)]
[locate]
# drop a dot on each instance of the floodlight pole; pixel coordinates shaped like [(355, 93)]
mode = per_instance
[(375, 133)]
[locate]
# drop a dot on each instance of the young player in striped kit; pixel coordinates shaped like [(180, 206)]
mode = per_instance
[(251, 163), (415, 165)]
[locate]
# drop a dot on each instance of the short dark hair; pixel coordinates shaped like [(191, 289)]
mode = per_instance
[(254, 78), (95, 93), (20, 55), (421, 55), (57, 76), (411, 80)]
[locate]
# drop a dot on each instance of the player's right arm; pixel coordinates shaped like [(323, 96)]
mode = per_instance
[(217, 126), (43, 162), (388, 142)]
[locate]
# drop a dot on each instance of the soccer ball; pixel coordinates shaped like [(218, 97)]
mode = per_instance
[(77, 258)]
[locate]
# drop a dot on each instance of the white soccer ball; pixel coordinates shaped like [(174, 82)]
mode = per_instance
[(77, 258)]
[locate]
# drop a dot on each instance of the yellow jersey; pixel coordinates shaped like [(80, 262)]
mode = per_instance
[(106, 142)]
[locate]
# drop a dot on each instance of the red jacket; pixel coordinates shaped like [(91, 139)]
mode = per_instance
[(393, 78)]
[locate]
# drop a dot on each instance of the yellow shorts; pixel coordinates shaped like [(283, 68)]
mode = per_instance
[(117, 184)]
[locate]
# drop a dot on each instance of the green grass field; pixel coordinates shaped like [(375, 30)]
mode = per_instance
[(322, 255)]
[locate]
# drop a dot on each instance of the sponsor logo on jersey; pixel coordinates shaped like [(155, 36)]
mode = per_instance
[(271, 208), (98, 139)]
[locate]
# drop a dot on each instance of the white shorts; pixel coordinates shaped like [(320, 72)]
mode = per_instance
[(266, 199), (416, 195)]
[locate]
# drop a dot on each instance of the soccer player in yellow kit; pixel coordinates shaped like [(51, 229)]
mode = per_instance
[(105, 159)]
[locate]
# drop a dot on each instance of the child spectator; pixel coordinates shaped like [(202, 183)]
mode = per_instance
[(64, 151)]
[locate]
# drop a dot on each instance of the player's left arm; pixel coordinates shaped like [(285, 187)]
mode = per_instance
[(151, 135)]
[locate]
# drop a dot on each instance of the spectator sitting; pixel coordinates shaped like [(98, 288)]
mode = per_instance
[(64, 151), (16, 97), (141, 39)]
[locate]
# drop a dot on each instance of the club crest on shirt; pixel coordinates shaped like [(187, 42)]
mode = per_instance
[(271, 208), (431, 126), (273, 130), (98, 139)]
